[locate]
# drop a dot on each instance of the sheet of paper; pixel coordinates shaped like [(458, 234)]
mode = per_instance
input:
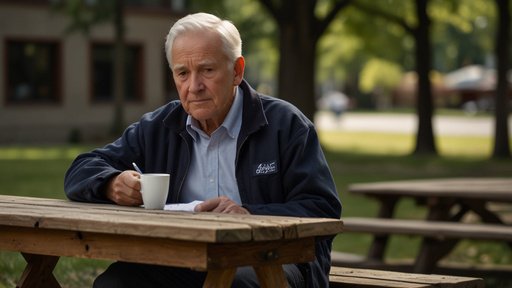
[(182, 206)]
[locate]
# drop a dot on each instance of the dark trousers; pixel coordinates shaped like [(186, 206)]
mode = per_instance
[(126, 275)]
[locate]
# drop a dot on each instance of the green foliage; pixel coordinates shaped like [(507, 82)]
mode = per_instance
[(356, 38), (462, 33), (381, 74), (382, 37), (340, 54), (259, 35)]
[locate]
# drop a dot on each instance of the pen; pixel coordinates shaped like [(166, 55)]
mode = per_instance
[(136, 167)]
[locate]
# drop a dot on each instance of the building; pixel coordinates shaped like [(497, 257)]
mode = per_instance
[(57, 87)]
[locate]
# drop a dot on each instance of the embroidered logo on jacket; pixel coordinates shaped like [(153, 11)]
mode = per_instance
[(266, 168)]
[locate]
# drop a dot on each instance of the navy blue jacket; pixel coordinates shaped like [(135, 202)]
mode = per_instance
[(280, 167)]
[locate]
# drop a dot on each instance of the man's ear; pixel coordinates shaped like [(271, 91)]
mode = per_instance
[(238, 70)]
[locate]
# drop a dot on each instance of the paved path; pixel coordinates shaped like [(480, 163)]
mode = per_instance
[(407, 123)]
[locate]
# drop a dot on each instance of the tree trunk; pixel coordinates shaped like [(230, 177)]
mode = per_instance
[(502, 102), (299, 31), (119, 63), (297, 44), (425, 143)]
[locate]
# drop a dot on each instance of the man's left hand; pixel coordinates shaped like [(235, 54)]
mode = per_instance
[(221, 204)]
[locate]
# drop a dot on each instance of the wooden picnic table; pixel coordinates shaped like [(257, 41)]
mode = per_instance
[(448, 200), (45, 229)]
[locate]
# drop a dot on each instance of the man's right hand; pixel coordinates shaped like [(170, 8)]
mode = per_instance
[(124, 189)]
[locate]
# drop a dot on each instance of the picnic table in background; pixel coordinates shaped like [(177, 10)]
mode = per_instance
[(448, 201), (45, 229)]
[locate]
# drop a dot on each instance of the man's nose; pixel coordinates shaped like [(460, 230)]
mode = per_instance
[(196, 83)]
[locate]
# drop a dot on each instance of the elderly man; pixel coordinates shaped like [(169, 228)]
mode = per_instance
[(223, 143)]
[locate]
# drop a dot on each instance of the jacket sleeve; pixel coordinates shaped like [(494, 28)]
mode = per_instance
[(90, 172)]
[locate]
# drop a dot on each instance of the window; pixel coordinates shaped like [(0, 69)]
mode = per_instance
[(103, 69), (33, 72)]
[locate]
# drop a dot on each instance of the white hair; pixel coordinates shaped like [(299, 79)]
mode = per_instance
[(231, 40)]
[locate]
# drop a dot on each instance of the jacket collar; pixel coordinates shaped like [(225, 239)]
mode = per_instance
[(253, 116)]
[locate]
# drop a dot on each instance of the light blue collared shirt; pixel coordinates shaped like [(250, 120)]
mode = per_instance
[(212, 168)]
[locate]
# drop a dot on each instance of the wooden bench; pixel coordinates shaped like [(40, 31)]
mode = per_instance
[(433, 229), (351, 277), (436, 234), (449, 202)]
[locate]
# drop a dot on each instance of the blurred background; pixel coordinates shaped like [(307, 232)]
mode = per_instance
[(60, 60), (398, 89)]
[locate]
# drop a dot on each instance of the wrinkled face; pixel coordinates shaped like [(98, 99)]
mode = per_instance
[(205, 78)]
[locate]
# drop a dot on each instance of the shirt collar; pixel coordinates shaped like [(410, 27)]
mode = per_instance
[(231, 124)]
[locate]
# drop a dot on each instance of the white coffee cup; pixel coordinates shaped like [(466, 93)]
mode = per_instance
[(154, 189)]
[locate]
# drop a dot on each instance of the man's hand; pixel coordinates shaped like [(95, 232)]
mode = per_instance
[(221, 204), (124, 189)]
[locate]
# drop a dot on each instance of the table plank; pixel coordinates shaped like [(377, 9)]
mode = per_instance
[(196, 255), (431, 280), (489, 189), (351, 282), (276, 252), (433, 229), (104, 246), (263, 227), (119, 222)]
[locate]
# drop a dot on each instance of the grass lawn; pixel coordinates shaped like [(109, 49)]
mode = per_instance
[(38, 172), (367, 157), (353, 157)]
